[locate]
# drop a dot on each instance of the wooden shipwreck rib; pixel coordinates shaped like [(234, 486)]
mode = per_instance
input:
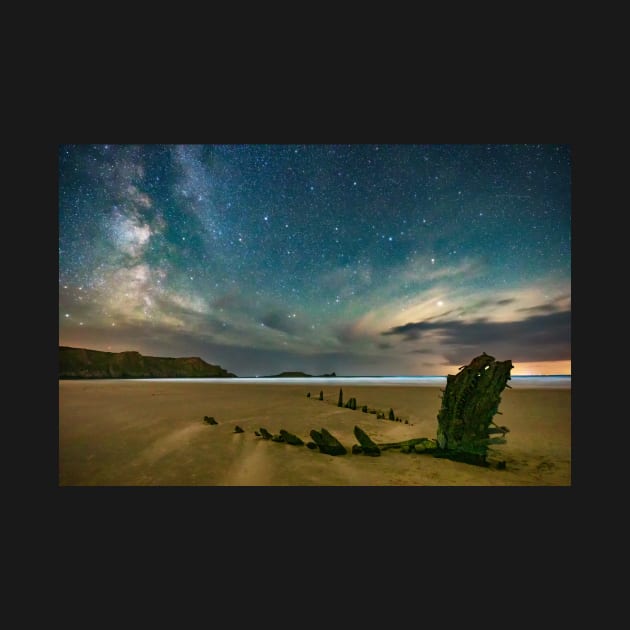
[(465, 420)]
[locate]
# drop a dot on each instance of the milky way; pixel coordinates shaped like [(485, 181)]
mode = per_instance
[(359, 259)]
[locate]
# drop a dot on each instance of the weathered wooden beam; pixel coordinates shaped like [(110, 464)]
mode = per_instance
[(470, 401)]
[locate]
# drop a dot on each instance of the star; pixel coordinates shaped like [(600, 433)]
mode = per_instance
[(165, 243)]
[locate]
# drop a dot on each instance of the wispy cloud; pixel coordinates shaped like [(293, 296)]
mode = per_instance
[(560, 303)]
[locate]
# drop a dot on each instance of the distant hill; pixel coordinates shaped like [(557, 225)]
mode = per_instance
[(299, 375), (82, 363)]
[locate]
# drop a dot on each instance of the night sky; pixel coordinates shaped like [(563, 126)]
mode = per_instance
[(359, 259)]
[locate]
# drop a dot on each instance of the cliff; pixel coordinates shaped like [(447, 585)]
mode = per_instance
[(83, 363)]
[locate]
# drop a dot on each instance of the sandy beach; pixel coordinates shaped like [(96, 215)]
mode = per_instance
[(152, 433)]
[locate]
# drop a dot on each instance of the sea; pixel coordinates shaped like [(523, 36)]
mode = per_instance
[(561, 381)]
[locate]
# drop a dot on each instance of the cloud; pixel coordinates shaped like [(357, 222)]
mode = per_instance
[(539, 337), (411, 331), (561, 303), (540, 309), (282, 322), (351, 333)]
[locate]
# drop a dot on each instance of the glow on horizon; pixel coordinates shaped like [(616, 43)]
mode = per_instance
[(533, 368), (541, 368)]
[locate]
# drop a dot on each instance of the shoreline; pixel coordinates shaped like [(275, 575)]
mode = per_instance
[(522, 382)]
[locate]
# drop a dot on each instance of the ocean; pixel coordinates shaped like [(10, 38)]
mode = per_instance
[(516, 382)]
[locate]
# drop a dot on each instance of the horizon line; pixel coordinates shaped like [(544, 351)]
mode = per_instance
[(394, 376)]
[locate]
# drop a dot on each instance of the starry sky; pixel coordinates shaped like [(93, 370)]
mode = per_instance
[(360, 259)]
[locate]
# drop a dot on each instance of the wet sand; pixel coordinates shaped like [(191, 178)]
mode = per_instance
[(151, 433)]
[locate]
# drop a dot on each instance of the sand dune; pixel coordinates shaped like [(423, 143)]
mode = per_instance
[(137, 433)]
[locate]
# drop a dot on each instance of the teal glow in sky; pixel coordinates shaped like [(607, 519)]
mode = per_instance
[(359, 259)]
